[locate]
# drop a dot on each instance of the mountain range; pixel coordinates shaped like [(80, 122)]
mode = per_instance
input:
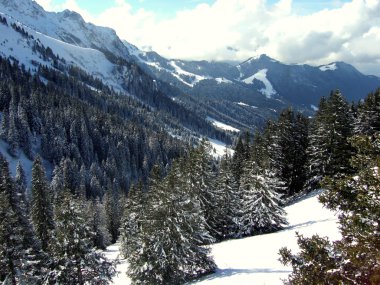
[(242, 95)]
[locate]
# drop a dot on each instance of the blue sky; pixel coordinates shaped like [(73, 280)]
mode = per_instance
[(292, 31)]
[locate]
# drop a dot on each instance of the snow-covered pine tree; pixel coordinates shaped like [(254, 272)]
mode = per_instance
[(329, 150), (355, 258), (368, 115), (286, 142), (261, 209), (20, 256), (75, 260), (199, 176), (113, 210), (41, 204), (133, 216), (96, 219), (171, 235), (229, 202)]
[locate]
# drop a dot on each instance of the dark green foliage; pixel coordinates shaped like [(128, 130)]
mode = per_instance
[(315, 263), (329, 150), (74, 260), (41, 204), (368, 115), (83, 129), (229, 200), (288, 154), (165, 244), (355, 259), (260, 206), (20, 256), (113, 210)]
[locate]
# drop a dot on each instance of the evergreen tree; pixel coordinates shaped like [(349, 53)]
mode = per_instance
[(261, 208), (20, 257), (75, 260), (113, 210), (229, 202), (368, 115), (355, 258), (329, 150), (41, 204), (133, 216), (287, 141), (199, 176), (96, 218), (170, 237)]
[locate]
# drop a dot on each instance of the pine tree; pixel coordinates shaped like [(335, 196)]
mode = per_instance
[(113, 210), (261, 209), (20, 256), (133, 216), (368, 117), (170, 236), (75, 260), (355, 258), (229, 202), (41, 204), (199, 176), (329, 150), (96, 218), (287, 141)]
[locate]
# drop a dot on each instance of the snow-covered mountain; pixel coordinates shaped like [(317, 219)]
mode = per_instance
[(301, 85), (240, 95)]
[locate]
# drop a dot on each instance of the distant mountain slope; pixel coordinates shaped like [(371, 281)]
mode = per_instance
[(65, 42), (242, 95)]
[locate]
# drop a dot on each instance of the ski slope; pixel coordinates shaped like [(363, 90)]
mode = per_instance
[(254, 260)]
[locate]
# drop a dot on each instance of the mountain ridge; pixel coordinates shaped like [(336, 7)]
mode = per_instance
[(207, 88)]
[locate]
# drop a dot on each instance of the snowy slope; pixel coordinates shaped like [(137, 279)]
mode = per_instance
[(254, 260), (261, 75), (222, 126), (92, 60)]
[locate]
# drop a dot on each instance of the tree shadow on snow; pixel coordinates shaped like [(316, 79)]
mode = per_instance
[(228, 272), (306, 224)]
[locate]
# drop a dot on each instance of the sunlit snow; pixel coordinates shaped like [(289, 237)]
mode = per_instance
[(254, 260), (222, 126), (261, 75)]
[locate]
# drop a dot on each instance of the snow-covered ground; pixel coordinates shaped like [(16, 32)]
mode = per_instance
[(261, 75), (254, 260), (222, 126)]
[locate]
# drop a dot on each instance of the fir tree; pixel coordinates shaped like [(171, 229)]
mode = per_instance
[(261, 208), (170, 237), (355, 258), (41, 204), (20, 256), (75, 260), (199, 176), (229, 202), (329, 150), (368, 115)]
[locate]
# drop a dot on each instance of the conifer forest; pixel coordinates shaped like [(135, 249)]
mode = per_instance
[(104, 170)]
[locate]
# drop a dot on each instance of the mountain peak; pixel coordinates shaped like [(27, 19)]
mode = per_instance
[(262, 58), (19, 7), (72, 15)]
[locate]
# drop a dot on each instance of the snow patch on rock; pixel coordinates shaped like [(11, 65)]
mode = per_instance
[(261, 75), (331, 67)]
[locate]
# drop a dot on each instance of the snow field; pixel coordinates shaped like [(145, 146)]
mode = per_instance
[(254, 260)]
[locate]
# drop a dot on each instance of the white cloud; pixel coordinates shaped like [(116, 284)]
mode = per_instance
[(238, 29)]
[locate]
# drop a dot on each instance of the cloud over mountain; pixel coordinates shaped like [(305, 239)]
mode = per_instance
[(237, 29)]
